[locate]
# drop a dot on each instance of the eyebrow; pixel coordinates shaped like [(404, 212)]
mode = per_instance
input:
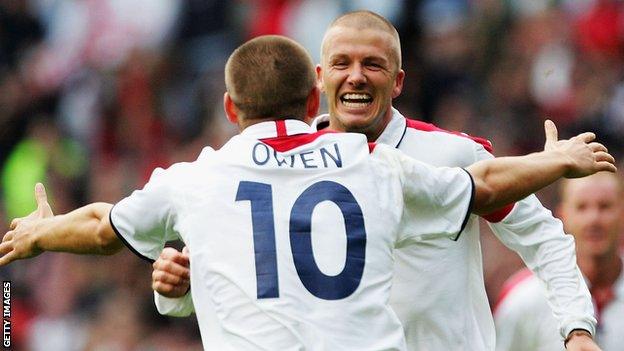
[(337, 57)]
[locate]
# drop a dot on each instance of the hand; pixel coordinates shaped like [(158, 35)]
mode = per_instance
[(19, 241), (581, 342), (171, 276), (586, 156)]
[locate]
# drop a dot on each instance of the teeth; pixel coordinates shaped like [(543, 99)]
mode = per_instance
[(355, 104), (354, 96)]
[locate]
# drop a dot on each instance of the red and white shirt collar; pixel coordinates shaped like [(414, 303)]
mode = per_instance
[(274, 129), (392, 134)]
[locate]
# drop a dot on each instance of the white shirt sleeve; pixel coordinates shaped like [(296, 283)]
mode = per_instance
[(539, 239), (175, 307), (145, 220), (531, 231), (437, 201)]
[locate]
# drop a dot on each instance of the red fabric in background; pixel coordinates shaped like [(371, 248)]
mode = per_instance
[(601, 30), (269, 17)]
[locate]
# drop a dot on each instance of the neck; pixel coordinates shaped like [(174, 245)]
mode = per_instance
[(601, 271)]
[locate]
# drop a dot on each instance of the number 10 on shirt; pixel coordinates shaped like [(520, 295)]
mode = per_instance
[(260, 196)]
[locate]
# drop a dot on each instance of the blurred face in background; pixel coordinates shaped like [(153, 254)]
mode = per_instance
[(592, 209), (360, 74)]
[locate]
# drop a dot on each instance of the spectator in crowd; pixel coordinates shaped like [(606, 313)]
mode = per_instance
[(592, 209)]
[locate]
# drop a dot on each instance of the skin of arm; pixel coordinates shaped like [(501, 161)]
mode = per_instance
[(503, 180), (86, 230)]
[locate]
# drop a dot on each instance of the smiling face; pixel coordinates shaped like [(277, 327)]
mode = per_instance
[(592, 209), (360, 75)]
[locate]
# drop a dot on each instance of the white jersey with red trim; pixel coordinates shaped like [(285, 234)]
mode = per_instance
[(291, 234), (525, 322), (438, 290)]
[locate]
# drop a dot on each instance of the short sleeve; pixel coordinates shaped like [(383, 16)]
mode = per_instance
[(437, 201), (145, 220)]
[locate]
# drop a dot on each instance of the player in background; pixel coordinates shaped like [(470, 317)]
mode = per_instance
[(246, 213), (592, 209), (440, 308)]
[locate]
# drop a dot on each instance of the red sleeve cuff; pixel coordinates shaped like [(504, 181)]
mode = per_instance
[(499, 214)]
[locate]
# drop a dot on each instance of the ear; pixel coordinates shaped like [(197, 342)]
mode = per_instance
[(230, 109), (313, 103), (319, 77), (398, 84)]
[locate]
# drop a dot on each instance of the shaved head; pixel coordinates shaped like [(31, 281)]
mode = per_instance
[(367, 20)]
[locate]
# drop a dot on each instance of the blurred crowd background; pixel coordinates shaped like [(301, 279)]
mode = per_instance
[(94, 94)]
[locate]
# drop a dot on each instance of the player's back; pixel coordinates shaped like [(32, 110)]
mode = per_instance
[(291, 241), (291, 234)]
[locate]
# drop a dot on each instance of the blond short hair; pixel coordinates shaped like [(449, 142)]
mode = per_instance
[(364, 19)]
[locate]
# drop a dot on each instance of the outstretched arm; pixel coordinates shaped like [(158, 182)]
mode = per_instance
[(507, 179), (86, 230)]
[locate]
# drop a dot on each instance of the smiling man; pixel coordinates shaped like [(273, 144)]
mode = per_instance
[(360, 72), (443, 309), (440, 308), (253, 229)]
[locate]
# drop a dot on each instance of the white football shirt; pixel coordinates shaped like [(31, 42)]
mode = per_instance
[(291, 234), (438, 289), (438, 292), (525, 322)]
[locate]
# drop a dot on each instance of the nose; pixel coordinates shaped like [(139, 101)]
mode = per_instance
[(593, 216), (356, 77)]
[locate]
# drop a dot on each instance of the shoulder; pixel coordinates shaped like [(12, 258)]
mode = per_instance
[(414, 126), (181, 170)]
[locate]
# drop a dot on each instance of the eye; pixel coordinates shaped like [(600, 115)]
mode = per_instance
[(374, 66), (339, 65)]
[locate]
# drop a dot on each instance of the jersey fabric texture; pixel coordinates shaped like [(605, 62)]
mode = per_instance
[(524, 320), (291, 234), (443, 308)]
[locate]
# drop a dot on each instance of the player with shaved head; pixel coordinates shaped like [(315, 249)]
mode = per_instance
[(441, 308), (252, 213)]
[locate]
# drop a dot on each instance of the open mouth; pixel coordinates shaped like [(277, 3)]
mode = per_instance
[(356, 100)]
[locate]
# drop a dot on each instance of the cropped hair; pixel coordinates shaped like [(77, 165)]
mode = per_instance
[(270, 76), (364, 19)]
